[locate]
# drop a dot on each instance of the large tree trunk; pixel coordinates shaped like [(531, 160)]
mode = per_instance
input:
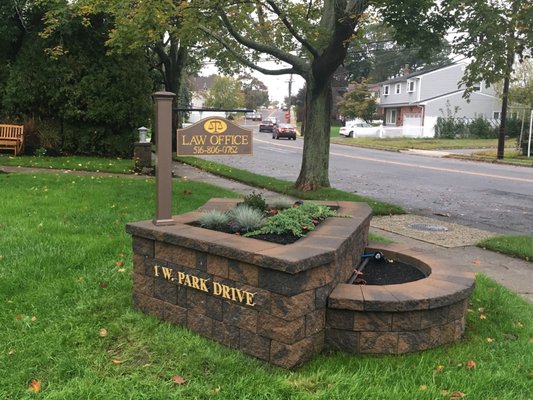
[(315, 160)]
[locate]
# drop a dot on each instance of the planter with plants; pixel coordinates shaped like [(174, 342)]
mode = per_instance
[(265, 298)]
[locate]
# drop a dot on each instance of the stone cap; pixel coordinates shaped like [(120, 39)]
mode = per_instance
[(319, 247), (443, 286)]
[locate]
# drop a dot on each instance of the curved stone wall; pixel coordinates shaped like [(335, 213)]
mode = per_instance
[(402, 318)]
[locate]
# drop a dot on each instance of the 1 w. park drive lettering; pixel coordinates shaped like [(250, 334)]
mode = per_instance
[(217, 289)]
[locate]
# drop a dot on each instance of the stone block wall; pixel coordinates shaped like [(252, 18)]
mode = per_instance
[(404, 318), (265, 299)]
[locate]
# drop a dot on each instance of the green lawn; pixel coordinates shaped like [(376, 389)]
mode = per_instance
[(404, 143), (517, 246), (66, 317), (286, 187), (76, 163)]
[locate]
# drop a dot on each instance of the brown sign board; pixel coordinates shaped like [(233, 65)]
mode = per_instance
[(214, 136)]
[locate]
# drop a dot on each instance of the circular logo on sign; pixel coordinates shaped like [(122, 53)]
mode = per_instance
[(215, 126)]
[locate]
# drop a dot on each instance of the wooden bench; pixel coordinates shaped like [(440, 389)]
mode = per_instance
[(12, 138)]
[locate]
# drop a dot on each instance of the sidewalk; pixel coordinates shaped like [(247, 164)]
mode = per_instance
[(454, 244)]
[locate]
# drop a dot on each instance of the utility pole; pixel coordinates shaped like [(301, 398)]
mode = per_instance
[(290, 98)]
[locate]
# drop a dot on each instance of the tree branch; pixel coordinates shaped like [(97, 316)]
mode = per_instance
[(291, 29), (299, 66), (244, 60)]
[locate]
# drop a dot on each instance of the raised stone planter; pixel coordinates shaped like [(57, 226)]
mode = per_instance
[(285, 303), (265, 299), (395, 319)]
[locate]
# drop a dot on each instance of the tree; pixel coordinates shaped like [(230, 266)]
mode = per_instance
[(255, 92), (377, 56), (225, 93), (312, 38), (80, 99), (358, 102), (493, 34)]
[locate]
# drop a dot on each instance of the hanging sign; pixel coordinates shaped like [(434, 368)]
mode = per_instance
[(214, 136)]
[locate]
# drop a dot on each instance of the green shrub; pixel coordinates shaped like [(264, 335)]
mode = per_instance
[(450, 128), (297, 220), (514, 126), (255, 200), (481, 128)]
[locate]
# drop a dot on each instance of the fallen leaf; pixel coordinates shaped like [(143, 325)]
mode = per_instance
[(178, 380), (490, 340), (444, 392), (19, 317), (118, 263), (103, 284), (519, 324), (34, 318), (187, 192), (439, 368), (482, 316), (457, 395), (35, 386), (423, 387), (476, 262), (481, 309), (121, 270), (116, 361), (530, 340), (470, 364), (11, 352), (102, 332)]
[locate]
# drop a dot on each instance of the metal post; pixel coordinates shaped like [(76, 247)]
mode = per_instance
[(163, 131), (529, 141)]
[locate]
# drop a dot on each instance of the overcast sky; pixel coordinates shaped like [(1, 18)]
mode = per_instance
[(278, 85)]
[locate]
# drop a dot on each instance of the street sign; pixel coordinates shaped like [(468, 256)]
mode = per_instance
[(214, 136)]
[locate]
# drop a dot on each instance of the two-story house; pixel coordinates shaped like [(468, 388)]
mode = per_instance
[(411, 103)]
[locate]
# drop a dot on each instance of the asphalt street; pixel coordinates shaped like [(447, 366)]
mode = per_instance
[(488, 196)]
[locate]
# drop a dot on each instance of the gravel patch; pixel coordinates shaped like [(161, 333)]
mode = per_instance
[(431, 230)]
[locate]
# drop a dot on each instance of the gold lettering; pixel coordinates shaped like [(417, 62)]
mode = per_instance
[(198, 140), (156, 270), (217, 289), (249, 299), (240, 295), (181, 277), (215, 140), (188, 280), (167, 273), (225, 292), (203, 285), (195, 282)]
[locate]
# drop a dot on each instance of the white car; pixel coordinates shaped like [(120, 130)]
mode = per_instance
[(359, 128)]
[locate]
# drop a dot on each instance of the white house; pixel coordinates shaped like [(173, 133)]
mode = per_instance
[(411, 103)]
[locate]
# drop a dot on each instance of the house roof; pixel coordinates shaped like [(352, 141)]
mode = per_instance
[(411, 75)]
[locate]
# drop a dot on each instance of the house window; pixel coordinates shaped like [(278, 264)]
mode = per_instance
[(391, 117), (411, 86), (398, 88), (477, 87), (496, 115), (386, 89)]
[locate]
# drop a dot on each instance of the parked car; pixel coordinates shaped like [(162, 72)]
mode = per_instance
[(359, 128), (254, 116), (284, 130), (267, 124)]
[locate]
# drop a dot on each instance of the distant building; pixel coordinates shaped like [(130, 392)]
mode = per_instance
[(411, 103)]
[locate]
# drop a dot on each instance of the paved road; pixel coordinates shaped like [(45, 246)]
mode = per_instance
[(487, 196)]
